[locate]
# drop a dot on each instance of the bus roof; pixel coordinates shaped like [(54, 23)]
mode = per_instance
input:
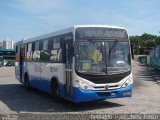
[(71, 29), (103, 26)]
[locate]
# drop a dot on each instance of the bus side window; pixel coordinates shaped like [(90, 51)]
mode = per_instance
[(17, 53), (56, 50), (26, 48), (45, 52), (29, 52), (16, 49), (36, 52)]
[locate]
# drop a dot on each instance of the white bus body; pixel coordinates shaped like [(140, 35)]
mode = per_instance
[(56, 63)]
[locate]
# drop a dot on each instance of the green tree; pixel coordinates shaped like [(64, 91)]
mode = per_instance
[(142, 44), (157, 41), (137, 43)]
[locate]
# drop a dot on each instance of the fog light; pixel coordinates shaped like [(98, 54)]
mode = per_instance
[(126, 93)]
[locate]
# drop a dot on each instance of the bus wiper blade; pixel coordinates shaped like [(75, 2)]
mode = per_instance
[(94, 43), (115, 42), (110, 49), (90, 40)]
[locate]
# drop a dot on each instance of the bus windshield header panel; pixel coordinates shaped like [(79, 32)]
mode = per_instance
[(84, 33)]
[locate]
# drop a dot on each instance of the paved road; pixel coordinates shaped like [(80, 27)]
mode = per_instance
[(14, 98), (155, 74)]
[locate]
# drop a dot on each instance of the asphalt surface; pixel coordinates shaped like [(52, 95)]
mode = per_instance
[(14, 98)]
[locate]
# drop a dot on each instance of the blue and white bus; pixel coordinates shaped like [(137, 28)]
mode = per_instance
[(82, 63)]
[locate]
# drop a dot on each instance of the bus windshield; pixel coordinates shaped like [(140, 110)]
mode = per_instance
[(108, 57), (102, 50)]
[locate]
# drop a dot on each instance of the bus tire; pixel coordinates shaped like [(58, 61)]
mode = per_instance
[(26, 82), (55, 92)]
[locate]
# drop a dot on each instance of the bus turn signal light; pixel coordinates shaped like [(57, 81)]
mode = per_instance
[(126, 93)]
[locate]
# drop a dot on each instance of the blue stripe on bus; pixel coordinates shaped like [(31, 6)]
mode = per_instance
[(80, 95), (45, 85), (40, 84), (90, 95)]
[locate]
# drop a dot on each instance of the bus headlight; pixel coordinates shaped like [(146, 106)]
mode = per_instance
[(84, 86), (127, 83)]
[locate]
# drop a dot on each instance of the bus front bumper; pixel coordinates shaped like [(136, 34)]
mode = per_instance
[(91, 95)]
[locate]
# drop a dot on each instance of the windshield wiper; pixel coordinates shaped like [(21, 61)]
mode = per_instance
[(90, 40), (115, 42), (110, 48)]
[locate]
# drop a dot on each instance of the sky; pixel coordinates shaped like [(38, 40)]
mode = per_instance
[(23, 19)]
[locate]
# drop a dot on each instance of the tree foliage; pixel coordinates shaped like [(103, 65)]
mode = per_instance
[(142, 44)]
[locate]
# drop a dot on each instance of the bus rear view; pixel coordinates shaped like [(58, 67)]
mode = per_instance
[(102, 64)]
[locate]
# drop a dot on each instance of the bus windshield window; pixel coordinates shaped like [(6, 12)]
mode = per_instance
[(118, 57), (102, 57), (89, 58)]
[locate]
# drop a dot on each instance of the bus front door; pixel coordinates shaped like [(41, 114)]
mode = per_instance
[(68, 67)]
